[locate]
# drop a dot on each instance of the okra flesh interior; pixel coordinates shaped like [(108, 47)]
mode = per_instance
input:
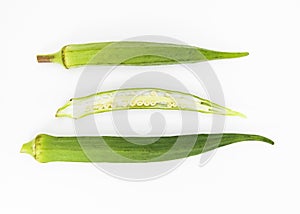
[(134, 53), (140, 98), (45, 148)]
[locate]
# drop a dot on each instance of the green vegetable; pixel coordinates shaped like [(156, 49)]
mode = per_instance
[(132, 53), (46, 148), (140, 98)]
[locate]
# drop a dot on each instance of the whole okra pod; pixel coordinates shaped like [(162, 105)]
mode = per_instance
[(46, 148), (133, 53)]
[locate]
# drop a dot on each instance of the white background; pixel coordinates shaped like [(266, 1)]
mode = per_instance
[(245, 178)]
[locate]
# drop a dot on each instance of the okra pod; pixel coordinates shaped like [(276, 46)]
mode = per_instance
[(140, 98), (133, 53), (45, 148)]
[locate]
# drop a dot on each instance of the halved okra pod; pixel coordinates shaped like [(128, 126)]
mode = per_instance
[(140, 98), (46, 148), (133, 53)]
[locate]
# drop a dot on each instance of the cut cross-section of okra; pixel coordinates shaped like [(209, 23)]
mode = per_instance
[(140, 98)]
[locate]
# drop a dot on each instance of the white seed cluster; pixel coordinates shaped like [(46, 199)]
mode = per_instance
[(107, 102), (153, 99), (103, 103), (105, 106)]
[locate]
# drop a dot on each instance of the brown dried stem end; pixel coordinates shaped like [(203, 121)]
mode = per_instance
[(44, 58)]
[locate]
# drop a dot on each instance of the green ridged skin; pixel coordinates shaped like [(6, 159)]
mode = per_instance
[(45, 148), (133, 53), (140, 98)]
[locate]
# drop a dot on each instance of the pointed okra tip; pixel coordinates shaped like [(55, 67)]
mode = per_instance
[(263, 139), (267, 140), (239, 114), (235, 54), (241, 54), (212, 55), (217, 109)]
